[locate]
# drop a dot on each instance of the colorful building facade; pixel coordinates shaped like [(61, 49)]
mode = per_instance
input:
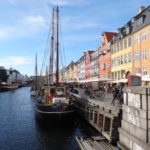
[(88, 70), (95, 64), (105, 55), (141, 44), (130, 47), (120, 54)]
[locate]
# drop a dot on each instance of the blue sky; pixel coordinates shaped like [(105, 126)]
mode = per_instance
[(24, 27)]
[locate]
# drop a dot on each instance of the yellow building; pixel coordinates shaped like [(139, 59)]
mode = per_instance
[(130, 48), (121, 57), (141, 51)]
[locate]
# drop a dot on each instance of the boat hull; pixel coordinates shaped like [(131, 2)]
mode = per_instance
[(55, 112), (33, 93), (8, 87)]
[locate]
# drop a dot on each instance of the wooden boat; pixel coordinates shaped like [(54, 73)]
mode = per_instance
[(8, 87), (52, 102)]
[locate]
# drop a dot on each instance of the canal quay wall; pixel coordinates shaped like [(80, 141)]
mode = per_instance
[(134, 133), (100, 114), (128, 124)]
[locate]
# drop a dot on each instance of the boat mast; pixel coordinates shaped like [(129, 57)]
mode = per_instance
[(36, 72), (52, 50), (57, 46)]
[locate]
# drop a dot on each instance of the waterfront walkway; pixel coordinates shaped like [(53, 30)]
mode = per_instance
[(106, 102)]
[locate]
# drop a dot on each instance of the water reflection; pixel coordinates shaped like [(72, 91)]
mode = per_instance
[(20, 130)]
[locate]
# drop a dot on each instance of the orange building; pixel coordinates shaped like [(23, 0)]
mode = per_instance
[(105, 55)]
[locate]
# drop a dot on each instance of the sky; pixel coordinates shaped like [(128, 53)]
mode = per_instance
[(24, 28)]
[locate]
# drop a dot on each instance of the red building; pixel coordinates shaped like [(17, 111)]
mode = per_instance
[(105, 55), (88, 64)]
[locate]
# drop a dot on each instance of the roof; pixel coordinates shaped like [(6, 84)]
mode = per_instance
[(109, 35), (90, 51), (132, 25)]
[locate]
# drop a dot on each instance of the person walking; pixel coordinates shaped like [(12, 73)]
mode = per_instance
[(115, 93)]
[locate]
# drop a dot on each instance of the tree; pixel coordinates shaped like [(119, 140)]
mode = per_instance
[(3, 75)]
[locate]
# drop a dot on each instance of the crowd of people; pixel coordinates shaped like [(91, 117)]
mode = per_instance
[(115, 89)]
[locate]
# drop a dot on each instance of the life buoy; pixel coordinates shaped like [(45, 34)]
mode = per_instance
[(50, 97)]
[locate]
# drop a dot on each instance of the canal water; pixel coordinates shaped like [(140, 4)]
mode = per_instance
[(20, 130)]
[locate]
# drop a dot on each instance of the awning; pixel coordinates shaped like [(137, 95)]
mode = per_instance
[(95, 80), (120, 81)]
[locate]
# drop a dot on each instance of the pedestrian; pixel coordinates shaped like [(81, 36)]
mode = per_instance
[(87, 91), (115, 94)]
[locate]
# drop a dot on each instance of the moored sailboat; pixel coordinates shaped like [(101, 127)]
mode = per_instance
[(52, 102), (34, 88)]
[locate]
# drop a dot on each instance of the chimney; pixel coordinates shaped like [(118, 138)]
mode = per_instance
[(141, 9)]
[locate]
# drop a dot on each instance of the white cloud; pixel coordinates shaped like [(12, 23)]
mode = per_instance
[(27, 27), (34, 20), (51, 2), (14, 61)]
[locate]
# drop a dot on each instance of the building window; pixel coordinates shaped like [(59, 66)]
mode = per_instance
[(144, 54), (129, 41), (138, 70), (118, 60), (143, 36), (122, 59), (112, 48), (122, 74), (129, 57), (140, 21), (127, 30), (114, 61), (121, 45), (108, 65), (118, 75), (144, 70), (113, 75), (137, 39), (125, 43), (125, 58), (115, 48), (137, 55), (104, 66)]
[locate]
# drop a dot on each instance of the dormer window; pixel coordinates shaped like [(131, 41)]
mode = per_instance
[(140, 21), (132, 20), (127, 30)]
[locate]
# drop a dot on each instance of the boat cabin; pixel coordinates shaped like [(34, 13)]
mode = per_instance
[(55, 95)]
